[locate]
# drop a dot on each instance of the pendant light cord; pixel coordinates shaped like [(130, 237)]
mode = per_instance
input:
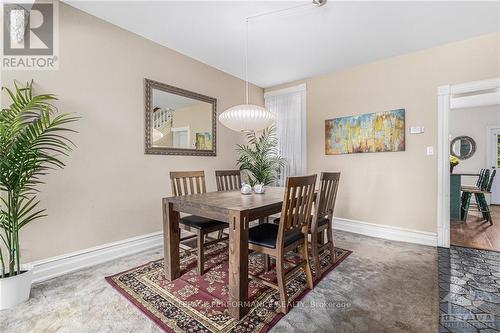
[(318, 3), (246, 60)]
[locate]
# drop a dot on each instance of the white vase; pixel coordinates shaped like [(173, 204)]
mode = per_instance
[(15, 289)]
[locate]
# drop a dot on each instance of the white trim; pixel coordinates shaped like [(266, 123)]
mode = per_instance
[(298, 88), (486, 99), (385, 231), (181, 129), (443, 173), (473, 86), (489, 146), (56, 266), (186, 129)]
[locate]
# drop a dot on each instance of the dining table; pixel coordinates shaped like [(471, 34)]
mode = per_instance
[(237, 210)]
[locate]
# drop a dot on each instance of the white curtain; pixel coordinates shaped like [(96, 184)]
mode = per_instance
[(289, 107)]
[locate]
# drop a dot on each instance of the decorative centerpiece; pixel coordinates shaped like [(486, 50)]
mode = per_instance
[(245, 188), (259, 188), (260, 158), (454, 161), (32, 140)]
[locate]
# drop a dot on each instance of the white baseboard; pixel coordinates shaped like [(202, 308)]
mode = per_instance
[(386, 232), (56, 266)]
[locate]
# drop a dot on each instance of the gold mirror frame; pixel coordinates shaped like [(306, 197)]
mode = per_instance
[(149, 85)]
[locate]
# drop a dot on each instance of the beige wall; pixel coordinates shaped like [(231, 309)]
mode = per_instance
[(110, 190), (474, 122), (396, 189)]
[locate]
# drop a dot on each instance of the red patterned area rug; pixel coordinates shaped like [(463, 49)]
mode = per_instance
[(198, 304)]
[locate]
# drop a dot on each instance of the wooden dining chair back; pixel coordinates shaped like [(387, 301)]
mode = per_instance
[(193, 182), (323, 217), (277, 240), (490, 181), (228, 180), (296, 210), (482, 203), (187, 182), (480, 178), (327, 195), (479, 192)]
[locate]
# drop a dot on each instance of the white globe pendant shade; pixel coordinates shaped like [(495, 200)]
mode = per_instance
[(246, 117)]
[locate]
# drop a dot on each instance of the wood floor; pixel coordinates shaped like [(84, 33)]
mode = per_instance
[(476, 233)]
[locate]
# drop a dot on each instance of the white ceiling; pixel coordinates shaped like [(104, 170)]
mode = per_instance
[(302, 42)]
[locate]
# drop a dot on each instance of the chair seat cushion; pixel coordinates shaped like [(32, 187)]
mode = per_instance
[(266, 235), (321, 221), (201, 223)]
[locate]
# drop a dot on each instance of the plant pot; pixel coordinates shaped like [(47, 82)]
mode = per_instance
[(15, 289)]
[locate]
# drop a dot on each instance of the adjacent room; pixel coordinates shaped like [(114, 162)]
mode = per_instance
[(474, 188), (250, 166)]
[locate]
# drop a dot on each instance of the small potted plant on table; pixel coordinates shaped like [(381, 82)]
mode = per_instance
[(260, 158)]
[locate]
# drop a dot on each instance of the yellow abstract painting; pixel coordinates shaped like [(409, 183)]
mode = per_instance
[(366, 133)]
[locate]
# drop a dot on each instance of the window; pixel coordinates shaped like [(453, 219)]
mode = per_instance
[(289, 107)]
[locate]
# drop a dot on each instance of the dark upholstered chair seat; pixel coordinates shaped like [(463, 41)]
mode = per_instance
[(201, 223), (321, 221), (267, 234)]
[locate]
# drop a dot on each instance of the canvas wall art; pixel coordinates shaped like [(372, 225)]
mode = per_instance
[(366, 133), (203, 141)]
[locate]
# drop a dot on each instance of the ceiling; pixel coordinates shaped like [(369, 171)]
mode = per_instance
[(301, 42)]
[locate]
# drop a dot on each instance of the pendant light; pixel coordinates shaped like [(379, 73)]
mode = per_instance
[(250, 117), (246, 117)]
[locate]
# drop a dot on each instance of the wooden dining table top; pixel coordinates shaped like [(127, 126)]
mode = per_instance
[(219, 204)]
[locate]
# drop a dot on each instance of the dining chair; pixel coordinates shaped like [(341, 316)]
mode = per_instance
[(323, 217), (479, 181), (277, 240), (228, 180), (479, 193), (193, 182), (483, 205)]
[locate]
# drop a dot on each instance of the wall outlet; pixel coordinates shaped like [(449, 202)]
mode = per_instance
[(430, 150)]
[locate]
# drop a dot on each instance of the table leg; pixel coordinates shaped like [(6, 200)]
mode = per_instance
[(171, 240), (238, 265)]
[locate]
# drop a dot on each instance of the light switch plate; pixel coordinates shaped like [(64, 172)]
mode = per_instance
[(430, 150), (417, 129)]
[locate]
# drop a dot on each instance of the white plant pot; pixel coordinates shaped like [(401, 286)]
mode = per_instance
[(16, 289)]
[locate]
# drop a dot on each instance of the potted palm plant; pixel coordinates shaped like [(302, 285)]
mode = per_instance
[(31, 143), (260, 158)]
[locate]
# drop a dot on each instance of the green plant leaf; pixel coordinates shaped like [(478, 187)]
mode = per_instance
[(32, 142), (260, 158)]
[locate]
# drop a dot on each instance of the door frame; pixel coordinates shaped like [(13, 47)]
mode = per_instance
[(186, 129), (456, 96), (489, 147)]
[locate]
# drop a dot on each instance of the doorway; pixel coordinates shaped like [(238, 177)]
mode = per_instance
[(452, 97), (493, 134)]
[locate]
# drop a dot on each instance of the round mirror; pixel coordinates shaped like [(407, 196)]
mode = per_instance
[(463, 147)]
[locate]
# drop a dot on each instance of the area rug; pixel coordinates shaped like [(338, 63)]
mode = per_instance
[(198, 304)]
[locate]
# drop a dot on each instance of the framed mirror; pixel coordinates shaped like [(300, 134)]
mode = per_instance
[(178, 121), (463, 147)]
